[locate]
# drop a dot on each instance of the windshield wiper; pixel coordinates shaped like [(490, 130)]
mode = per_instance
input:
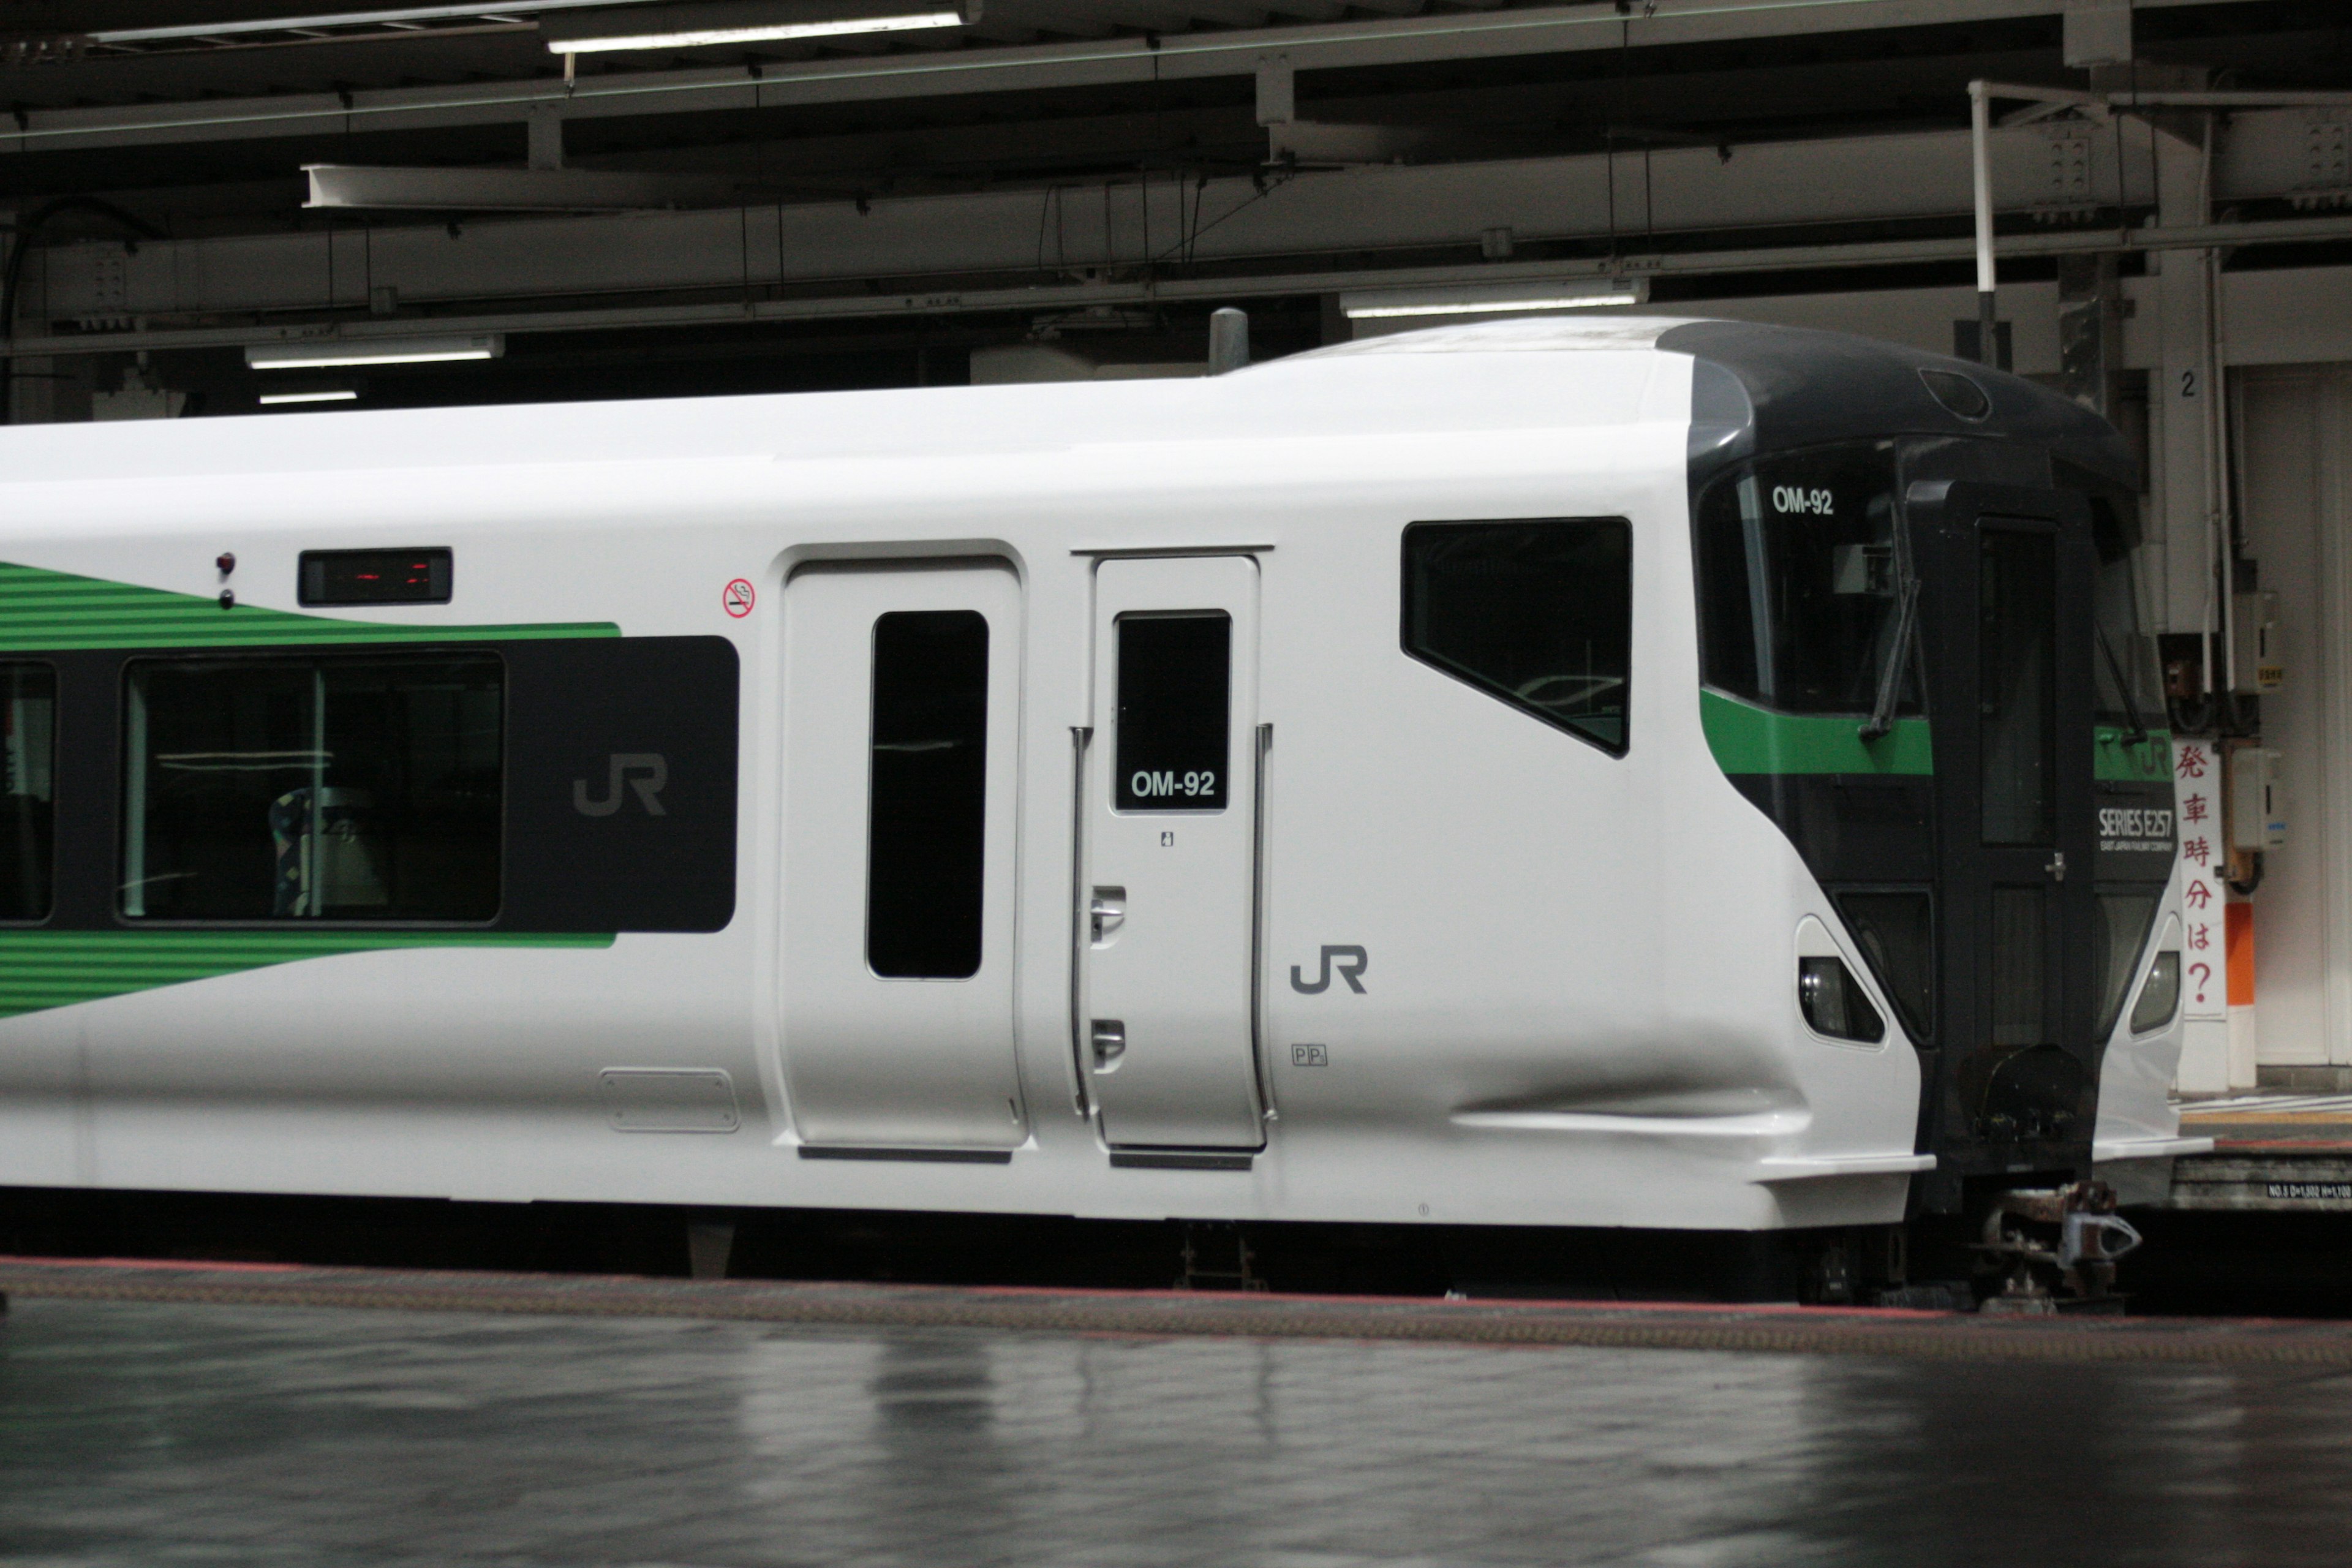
[(1899, 658), (2136, 733)]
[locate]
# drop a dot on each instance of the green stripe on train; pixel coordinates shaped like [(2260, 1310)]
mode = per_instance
[(1747, 739), (44, 969), (56, 610)]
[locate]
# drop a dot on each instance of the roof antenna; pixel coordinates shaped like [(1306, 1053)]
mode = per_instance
[(1228, 339)]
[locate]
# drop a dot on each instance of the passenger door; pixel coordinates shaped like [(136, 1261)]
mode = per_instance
[(2011, 715), (902, 688), (1172, 854)]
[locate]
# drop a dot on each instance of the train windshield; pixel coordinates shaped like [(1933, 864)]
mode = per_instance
[(1799, 581), (2130, 690)]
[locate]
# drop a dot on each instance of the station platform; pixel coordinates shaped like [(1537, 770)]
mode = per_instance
[(2271, 1151), (272, 1414)]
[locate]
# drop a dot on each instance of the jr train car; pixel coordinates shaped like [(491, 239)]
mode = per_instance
[(1604, 771)]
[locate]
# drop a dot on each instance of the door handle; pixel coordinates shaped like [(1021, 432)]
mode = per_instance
[(1110, 1037), (2057, 867), (1107, 911)]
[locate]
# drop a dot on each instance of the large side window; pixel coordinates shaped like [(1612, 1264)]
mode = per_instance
[(28, 727), (287, 789), (927, 818), (1538, 613)]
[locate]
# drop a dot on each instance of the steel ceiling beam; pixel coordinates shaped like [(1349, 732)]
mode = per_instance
[(344, 186), (1182, 290), (920, 73), (1671, 199)]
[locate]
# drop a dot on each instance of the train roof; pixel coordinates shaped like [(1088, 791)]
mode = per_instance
[(1753, 388)]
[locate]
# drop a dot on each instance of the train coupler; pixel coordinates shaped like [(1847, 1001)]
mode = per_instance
[(2055, 1251)]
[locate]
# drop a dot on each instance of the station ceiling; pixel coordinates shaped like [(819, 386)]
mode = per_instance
[(472, 172)]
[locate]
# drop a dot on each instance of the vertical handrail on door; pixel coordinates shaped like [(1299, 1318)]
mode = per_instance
[(1079, 736), (1257, 930)]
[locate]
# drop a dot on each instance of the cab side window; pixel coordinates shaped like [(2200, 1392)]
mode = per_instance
[(1536, 614)]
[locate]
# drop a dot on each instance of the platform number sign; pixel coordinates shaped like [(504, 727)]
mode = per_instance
[(738, 597)]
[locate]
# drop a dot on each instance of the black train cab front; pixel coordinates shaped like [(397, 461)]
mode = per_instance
[(1921, 658)]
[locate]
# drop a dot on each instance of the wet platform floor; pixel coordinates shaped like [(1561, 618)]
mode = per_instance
[(158, 1416), (2273, 1119)]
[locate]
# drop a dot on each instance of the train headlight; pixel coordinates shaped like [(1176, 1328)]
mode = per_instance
[(2159, 995), (1834, 1002)]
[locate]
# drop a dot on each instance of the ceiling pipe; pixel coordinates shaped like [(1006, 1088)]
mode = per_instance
[(866, 306)]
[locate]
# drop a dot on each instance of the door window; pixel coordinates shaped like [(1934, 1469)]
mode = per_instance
[(1175, 712), (927, 813), (2017, 691), (1538, 613)]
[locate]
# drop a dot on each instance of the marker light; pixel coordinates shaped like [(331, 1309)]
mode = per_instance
[(343, 395), (1473, 299), (2159, 995), (373, 351), (693, 26), (1834, 1002)]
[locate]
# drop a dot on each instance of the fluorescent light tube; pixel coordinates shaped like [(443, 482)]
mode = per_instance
[(374, 17), (341, 394), (373, 351), (695, 26), (1479, 299)]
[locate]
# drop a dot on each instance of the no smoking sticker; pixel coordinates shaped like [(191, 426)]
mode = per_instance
[(738, 598)]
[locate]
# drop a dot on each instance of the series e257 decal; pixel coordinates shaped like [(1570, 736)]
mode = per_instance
[(2131, 827)]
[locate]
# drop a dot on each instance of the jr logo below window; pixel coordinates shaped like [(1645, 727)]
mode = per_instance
[(1352, 962), (646, 772)]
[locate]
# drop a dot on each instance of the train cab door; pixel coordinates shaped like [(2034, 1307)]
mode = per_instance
[(2011, 642), (901, 769), (1170, 853)]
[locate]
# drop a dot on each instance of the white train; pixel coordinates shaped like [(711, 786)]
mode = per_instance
[(1558, 772)]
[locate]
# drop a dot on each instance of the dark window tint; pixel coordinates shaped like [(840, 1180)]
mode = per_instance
[(2131, 690), (1799, 581), (1539, 615), (1175, 706), (2121, 932), (374, 577), (295, 789), (928, 795), (1896, 932), (2021, 962), (29, 692), (2017, 697)]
